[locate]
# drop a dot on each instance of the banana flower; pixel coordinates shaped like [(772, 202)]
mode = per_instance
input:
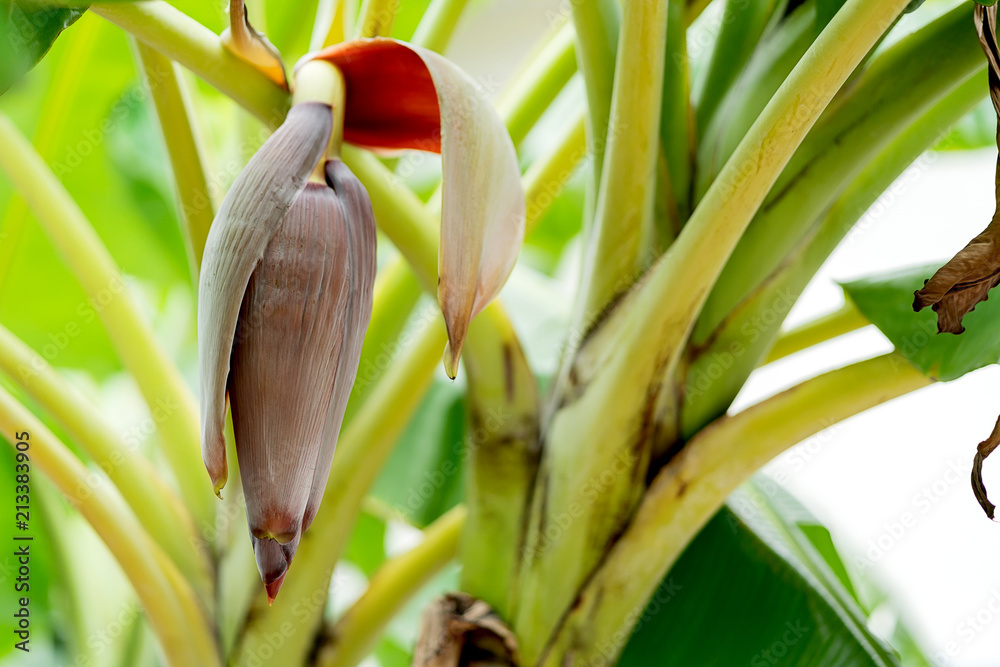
[(285, 292)]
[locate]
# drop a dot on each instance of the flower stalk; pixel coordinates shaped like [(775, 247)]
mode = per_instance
[(181, 38), (320, 81), (844, 320), (393, 584), (173, 110)]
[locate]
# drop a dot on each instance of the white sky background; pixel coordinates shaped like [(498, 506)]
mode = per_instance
[(908, 459), (912, 456)]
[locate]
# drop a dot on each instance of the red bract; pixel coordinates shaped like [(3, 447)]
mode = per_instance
[(402, 96)]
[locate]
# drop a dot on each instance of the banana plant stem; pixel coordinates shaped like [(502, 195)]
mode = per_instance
[(707, 398), (501, 461), (171, 606), (625, 199), (158, 508), (538, 85), (377, 17), (168, 397), (438, 24), (700, 252), (69, 75), (173, 110), (895, 89), (181, 38), (397, 581), (841, 321), (649, 327), (596, 28), (693, 486)]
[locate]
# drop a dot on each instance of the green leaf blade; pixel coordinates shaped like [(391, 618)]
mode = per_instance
[(752, 589), (886, 300), (26, 34)]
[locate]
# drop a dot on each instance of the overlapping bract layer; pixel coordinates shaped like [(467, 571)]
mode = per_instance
[(289, 357)]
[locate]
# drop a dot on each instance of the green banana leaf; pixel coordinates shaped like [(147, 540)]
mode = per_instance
[(760, 585), (886, 300), (27, 31), (978, 129), (367, 546)]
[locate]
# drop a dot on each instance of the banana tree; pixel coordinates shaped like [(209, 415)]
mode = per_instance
[(580, 490)]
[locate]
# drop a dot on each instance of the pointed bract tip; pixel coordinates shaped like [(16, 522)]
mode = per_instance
[(273, 588), (451, 357), (218, 485), (273, 560), (213, 455)]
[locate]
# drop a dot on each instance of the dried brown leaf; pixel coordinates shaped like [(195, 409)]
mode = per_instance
[(458, 630), (984, 449), (956, 288)]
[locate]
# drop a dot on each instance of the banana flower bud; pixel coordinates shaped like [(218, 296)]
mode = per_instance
[(285, 299)]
